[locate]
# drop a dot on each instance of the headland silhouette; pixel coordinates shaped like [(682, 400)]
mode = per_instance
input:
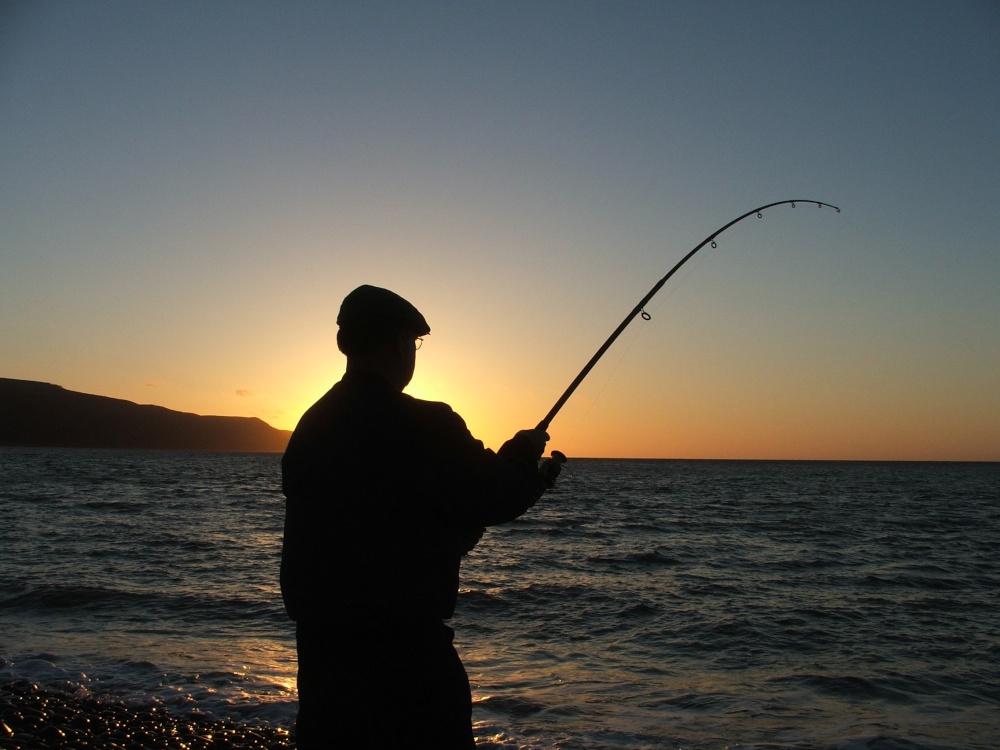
[(45, 415)]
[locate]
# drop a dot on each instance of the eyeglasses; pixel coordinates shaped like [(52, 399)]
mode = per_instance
[(418, 343)]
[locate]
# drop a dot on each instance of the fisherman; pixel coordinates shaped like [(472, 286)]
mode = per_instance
[(384, 495)]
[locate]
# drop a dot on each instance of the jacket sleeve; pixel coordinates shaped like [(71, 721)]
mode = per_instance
[(464, 482)]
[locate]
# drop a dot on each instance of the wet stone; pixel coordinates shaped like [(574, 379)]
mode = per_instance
[(34, 719)]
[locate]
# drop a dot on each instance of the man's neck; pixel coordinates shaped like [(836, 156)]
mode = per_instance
[(383, 371)]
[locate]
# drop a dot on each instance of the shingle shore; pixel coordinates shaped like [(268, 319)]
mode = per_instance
[(36, 719)]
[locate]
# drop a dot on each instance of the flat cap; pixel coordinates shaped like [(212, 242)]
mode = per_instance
[(376, 310)]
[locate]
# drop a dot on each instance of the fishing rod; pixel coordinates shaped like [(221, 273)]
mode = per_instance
[(640, 308)]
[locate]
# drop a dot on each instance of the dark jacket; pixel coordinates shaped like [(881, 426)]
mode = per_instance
[(385, 493)]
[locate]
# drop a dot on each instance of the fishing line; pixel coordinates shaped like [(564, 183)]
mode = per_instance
[(640, 309)]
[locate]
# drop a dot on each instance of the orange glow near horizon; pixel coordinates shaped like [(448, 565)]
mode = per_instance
[(648, 401)]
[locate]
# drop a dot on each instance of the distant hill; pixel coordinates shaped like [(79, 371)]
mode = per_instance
[(40, 414)]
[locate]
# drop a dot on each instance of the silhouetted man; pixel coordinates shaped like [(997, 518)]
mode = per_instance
[(385, 493)]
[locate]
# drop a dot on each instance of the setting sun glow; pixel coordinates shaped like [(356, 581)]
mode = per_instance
[(189, 193)]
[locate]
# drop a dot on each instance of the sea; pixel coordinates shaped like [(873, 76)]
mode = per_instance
[(684, 605)]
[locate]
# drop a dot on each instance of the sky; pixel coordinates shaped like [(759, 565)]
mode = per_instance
[(188, 190)]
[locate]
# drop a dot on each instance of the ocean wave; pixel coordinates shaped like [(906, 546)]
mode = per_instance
[(23, 598)]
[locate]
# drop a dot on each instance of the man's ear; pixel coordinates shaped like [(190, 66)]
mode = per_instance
[(402, 344)]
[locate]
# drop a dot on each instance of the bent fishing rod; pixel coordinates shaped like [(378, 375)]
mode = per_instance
[(640, 308)]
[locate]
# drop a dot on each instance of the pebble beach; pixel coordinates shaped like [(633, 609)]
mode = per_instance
[(35, 719)]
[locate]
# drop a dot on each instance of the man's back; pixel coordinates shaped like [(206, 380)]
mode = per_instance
[(385, 493)]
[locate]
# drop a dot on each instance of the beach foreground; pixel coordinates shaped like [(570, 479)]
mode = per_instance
[(36, 719)]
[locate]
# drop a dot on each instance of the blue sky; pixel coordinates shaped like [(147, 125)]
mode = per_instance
[(190, 189)]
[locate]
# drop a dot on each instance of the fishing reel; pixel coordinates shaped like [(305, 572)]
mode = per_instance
[(549, 468)]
